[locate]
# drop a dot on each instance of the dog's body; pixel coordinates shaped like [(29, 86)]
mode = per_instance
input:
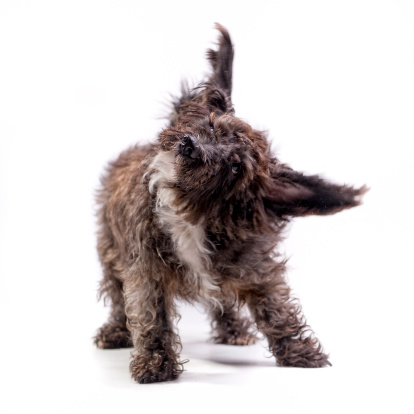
[(197, 216)]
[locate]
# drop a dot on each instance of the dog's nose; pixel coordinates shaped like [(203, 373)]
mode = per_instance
[(189, 148)]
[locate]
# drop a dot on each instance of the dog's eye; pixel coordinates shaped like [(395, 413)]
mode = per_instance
[(235, 167)]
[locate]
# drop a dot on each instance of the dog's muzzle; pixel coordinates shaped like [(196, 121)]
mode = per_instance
[(189, 148)]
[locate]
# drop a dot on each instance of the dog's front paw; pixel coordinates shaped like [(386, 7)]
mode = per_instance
[(304, 361), (156, 367), (301, 354)]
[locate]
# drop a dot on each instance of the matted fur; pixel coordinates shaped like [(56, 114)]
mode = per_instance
[(198, 216)]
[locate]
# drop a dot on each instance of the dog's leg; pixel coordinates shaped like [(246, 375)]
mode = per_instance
[(150, 310), (279, 318), (229, 326), (113, 334)]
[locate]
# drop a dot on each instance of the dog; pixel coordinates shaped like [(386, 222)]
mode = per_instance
[(197, 216)]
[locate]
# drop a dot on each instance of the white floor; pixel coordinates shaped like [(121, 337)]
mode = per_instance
[(75, 377)]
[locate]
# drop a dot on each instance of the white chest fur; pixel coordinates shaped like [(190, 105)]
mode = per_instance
[(189, 240)]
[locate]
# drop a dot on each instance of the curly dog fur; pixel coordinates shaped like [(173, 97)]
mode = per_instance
[(197, 216)]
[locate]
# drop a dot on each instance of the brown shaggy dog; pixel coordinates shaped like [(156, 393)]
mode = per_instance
[(197, 216)]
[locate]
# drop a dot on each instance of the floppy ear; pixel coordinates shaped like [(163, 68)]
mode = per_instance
[(217, 93), (292, 193)]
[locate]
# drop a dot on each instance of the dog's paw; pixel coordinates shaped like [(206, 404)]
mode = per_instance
[(235, 339), (318, 361), (113, 336), (301, 355), (156, 367)]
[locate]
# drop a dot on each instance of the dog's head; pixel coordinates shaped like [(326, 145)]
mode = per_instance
[(223, 168)]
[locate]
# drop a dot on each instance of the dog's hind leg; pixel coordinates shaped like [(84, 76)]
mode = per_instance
[(113, 334), (230, 327)]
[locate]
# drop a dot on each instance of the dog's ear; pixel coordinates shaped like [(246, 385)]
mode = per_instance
[(217, 93), (291, 193)]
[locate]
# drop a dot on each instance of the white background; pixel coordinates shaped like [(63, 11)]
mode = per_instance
[(332, 81)]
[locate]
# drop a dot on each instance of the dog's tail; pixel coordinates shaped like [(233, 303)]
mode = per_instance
[(221, 61)]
